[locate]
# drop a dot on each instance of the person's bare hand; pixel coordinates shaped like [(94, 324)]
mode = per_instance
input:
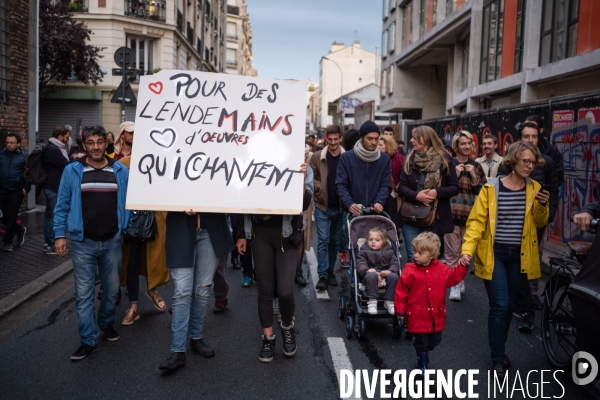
[(303, 169), (191, 212), (469, 168), (61, 247), (385, 273), (465, 260), (583, 220), (377, 207), (241, 246), (459, 169), (542, 197), (425, 197), (354, 209)]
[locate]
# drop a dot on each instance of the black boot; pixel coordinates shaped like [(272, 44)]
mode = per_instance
[(299, 278), (175, 360), (267, 349), (289, 339)]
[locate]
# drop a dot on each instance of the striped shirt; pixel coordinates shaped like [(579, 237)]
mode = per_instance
[(511, 215), (99, 203)]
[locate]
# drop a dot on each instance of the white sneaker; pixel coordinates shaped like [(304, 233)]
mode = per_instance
[(389, 305), (455, 293), (372, 307), (462, 286)]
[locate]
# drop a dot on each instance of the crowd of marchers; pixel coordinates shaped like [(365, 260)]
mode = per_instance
[(447, 206)]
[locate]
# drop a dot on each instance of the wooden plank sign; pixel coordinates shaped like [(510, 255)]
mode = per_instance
[(218, 143)]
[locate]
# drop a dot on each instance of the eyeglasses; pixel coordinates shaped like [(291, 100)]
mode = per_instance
[(527, 162), (99, 143)]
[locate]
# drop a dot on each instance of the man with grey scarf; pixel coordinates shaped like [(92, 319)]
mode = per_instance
[(363, 174), (54, 161)]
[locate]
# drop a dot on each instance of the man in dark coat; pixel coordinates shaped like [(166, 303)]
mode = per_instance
[(54, 161), (363, 175), (195, 242), (13, 188)]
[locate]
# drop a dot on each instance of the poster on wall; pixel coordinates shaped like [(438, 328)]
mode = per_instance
[(562, 118), (218, 143), (591, 114)]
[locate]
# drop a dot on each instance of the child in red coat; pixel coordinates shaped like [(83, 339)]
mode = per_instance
[(420, 297)]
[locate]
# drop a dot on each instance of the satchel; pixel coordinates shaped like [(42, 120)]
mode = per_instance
[(142, 227), (418, 214)]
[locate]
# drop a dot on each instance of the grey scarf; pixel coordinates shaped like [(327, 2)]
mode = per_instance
[(61, 146), (366, 155)]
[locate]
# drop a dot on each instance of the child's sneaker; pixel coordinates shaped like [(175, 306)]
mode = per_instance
[(372, 307), (389, 305), (455, 293)]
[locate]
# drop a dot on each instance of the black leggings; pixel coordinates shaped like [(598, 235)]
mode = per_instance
[(275, 270)]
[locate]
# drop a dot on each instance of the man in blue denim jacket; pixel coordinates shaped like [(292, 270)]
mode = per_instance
[(91, 206)]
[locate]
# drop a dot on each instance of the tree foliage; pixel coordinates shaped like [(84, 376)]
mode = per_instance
[(64, 52)]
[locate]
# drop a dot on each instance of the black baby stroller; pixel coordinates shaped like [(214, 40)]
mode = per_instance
[(354, 308)]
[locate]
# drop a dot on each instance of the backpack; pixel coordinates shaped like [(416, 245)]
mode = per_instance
[(34, 171)]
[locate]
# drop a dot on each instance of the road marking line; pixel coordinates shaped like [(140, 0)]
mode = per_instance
[(313, 264), (339, 355)]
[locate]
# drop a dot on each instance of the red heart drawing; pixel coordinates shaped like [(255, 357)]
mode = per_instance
[(156, 87)]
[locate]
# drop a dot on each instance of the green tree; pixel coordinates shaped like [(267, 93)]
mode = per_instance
[(64, 49)]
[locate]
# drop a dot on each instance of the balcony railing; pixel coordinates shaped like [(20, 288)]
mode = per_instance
[(78, 6), (153, 10), (231, 63), (235, 10), (232, 37)]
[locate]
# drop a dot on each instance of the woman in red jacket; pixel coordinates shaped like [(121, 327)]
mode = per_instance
[(421, 295)]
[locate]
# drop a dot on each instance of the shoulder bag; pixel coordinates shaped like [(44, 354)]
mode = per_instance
[(418, 214), (142, 227)]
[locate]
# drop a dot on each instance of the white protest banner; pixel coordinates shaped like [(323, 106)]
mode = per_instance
[(218, 143)]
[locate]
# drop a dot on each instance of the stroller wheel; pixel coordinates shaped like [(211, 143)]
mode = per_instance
[(349, 326), (342, 307), (361, 327)]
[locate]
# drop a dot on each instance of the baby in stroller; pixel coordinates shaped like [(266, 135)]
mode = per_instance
[(377, 266)]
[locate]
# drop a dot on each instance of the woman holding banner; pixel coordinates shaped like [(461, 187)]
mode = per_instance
[(275, 246)]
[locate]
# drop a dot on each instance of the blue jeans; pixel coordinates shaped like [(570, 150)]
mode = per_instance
[(192, 290), (410, 232), (502, 293), (51, 197), (329, 225), (106, 257)]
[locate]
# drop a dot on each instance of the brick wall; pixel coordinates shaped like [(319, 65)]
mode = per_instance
[(13, 115)]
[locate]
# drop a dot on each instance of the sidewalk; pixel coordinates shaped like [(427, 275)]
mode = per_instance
[(27, 269)]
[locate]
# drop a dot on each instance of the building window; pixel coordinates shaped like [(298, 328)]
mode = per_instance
[(491, 44), (434, 13), (422, 18), (386, 10), (4, 53), (520, 38), (231, 58), (450, 7), (464, 83), (232, 31), (407, 25), (391, 37), (390, 81), (144, 55), (383, 83), (392, 5), (384, 43), (560, 20)]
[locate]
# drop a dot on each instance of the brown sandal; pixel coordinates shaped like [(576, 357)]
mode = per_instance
[(159, 303)]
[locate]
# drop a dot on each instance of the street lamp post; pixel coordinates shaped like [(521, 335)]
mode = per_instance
[(341, 76)]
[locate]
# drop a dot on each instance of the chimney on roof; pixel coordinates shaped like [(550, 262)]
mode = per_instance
[(336, 46), (356, 44)]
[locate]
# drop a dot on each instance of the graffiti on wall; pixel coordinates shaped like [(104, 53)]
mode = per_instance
[(574, 123)]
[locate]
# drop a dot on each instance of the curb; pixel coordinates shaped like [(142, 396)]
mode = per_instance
[(21, 295)]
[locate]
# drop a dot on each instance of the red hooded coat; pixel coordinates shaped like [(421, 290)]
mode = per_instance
[(421, 295)]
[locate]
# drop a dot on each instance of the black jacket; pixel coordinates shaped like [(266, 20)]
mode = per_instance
[(12, 171), (54, 162), (181, 237), (552, 151), (449, 188), (543, 175)]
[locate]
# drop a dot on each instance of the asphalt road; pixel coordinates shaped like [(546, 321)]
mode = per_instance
[(35, 351)]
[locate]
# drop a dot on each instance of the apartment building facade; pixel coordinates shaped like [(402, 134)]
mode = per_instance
[(239, 39), (446, 57), (164, 34), (343, 70)]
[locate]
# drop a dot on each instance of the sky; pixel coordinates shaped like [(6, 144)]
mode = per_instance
[(291, 36)]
